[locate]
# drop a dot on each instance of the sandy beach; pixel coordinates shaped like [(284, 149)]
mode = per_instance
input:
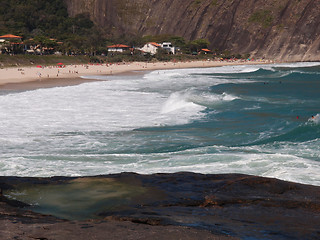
[(49, 76)]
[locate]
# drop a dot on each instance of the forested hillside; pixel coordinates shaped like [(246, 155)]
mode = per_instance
[(48, 19), (281, 30)]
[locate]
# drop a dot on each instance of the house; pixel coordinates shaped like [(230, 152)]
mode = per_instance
[(169, 47), (9, 36), (118, 48), (10, 43), (150, 47)]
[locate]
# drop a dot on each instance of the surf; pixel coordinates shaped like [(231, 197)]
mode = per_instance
[(209, 120)]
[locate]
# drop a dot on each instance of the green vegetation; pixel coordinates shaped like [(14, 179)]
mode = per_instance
[(263, 17), (196, 3), (197, 45), (159, 56), (29, 60), (214, 2), (46, 26), (280, 27), (175, 40), (48, 19)]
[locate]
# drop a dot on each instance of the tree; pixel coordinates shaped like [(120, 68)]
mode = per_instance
[(197, 45), (178, 41)]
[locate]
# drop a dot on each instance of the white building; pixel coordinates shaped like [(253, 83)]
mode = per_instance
[(150, 47), (169, 47), (118, 48)]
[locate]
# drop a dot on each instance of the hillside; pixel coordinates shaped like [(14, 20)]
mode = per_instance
[(282, 30), (46, 22)]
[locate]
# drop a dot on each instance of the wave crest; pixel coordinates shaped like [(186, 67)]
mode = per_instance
[(193, 99), (314, 119)]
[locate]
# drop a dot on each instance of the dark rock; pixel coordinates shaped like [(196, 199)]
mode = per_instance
[(186, 203)]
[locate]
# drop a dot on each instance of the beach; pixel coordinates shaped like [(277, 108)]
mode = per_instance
[(59, 75), (234, 118), (214, 149)]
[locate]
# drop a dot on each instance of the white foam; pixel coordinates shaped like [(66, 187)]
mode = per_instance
[(178, 73), (290, 65), (297, 64), (250, 70), (178, 101), (314, 119), (109, 106), (195, 100), (50, 132), (291, 162)]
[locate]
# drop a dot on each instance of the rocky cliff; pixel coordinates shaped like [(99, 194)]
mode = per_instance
[(283, 30)]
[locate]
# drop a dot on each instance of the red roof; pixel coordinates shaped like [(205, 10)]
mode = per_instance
[(205, 50), (10, 36), (155, 44), (118, 46)]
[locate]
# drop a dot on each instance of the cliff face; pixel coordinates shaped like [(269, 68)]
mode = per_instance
[(282, 30)]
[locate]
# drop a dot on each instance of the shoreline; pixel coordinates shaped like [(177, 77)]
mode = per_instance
[(183, 205), (27, 78)]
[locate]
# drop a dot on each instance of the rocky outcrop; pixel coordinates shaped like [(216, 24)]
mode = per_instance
[(183, 205), (282, 30)]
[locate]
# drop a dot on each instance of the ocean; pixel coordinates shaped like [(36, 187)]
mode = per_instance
[(253, 119)]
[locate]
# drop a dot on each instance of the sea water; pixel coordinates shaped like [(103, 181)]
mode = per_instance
[(253, 119)]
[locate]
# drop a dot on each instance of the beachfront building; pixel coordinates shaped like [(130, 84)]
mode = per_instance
[(8, 37), (169, 47), (150, 47), (10, 43), (118, 48)]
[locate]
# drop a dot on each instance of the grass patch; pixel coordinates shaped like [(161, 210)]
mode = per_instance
[(263, 17), (214, 2), (196, 3)]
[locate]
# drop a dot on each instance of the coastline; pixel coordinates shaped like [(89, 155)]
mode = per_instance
[(181, 205), (25, 78)]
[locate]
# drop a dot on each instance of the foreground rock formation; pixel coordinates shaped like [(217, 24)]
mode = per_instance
[(160, 206), (280, 30)]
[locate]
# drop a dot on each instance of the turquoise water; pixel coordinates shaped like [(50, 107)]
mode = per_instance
[(244, 119)]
